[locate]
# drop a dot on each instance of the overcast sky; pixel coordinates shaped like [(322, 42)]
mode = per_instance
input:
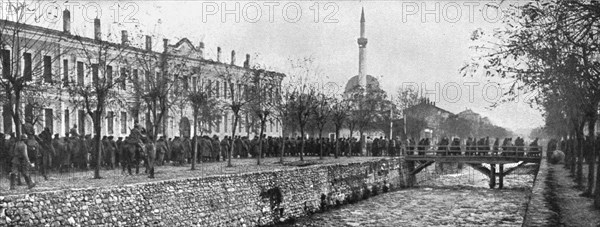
[(405, 42)]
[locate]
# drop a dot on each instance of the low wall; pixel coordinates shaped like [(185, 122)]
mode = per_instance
[(539, 211), (260, 198)]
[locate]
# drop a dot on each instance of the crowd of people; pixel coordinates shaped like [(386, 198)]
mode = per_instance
[(45, 152), (474, 146)]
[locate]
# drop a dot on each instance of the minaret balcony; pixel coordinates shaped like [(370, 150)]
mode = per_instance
[(362, 42)]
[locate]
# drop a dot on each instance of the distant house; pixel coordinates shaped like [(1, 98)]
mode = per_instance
[(431, 115)]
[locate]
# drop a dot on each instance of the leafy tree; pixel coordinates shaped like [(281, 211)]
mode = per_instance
[(549, 48)]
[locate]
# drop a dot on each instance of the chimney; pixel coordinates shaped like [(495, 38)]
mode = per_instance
[(218, 54), (233, 57), (148, 43), (66, 21), (247, 62), (124, 37), (201, 49), (97, 31), (165, 45)]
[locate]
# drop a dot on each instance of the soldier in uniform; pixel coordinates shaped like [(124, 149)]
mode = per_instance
[(108, 153), (136, 134), (225, 148), (73, 131), (47, 153), (118, 146), (455, 147), (20, 163), (161, 150), (216, 148), (4, 153), (150, 151)]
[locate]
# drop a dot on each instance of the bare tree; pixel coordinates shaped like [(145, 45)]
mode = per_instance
[(156, 90), (261, 97), (100, 57), (368, 107), (26, 61), (206, 109), (321, 116), (339, 115), (282, 112), (235, 100), (302, 94)]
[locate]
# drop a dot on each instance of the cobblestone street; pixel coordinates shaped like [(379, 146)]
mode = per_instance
[(452, 200)]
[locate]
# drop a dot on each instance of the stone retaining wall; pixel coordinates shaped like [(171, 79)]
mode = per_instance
[(539, 212), (260, 198)]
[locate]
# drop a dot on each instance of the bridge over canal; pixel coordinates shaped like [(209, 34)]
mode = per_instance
[(488, 161)]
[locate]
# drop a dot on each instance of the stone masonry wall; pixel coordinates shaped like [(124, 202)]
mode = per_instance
[(251, 199), (539, 212)]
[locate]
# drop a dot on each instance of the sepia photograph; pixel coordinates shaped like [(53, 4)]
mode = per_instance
[(299, 113)]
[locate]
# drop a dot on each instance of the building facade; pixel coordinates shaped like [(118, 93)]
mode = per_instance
[(52, 59)]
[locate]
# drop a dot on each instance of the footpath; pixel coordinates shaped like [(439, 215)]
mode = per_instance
[(570, 209)]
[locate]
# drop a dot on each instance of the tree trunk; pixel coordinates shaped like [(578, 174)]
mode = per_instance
[(591, 155), (361, 141), (17, 114), (98, 131), (195, 154), (321, 143), (567, 152), (260, 140), (573, 160), (235, 120), (580, 143), (302, 143), (337, 141), (597, 192), (282, 148)]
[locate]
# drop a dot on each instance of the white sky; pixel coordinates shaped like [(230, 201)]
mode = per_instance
[(406, 45)]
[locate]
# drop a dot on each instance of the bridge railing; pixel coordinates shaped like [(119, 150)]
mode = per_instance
[(478, 150)]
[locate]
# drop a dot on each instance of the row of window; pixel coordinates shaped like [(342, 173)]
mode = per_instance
[(49, 118), (213, 86)]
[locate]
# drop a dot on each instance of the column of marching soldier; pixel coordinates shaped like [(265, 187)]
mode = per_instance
[(44, 152)]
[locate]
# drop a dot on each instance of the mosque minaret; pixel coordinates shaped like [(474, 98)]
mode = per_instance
[(362, 53)]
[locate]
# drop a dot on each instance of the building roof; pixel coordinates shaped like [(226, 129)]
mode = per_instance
[(426, 104), (69, 36)]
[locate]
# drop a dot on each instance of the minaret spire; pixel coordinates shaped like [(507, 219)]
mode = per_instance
[(362, 52), (362, 15)]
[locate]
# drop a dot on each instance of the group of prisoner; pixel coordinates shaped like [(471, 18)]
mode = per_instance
[(44, 152)]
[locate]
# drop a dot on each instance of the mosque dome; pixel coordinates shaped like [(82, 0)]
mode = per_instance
[(372, 83)]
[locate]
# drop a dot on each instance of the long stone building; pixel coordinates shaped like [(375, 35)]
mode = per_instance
[(52, 59)]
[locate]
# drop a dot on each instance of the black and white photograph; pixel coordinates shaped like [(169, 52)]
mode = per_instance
[(299, 113)]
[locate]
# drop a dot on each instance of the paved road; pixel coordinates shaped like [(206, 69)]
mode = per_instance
[(461, 199)]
